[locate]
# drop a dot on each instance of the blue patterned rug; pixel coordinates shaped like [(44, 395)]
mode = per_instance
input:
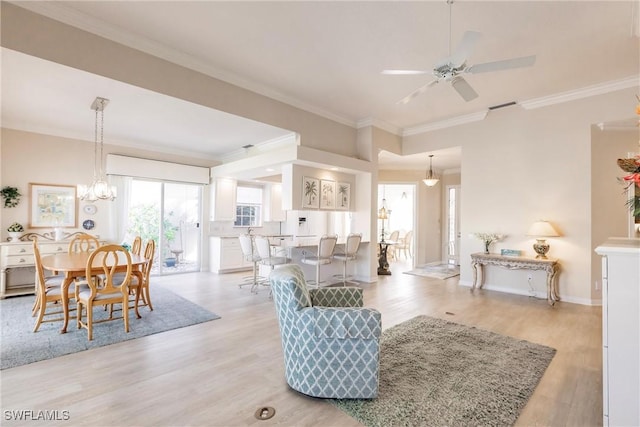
[(21, 346)]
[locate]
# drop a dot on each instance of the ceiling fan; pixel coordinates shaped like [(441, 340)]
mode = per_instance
[(451, 68)]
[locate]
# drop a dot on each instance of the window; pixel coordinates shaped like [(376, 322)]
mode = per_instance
[(248, 206)]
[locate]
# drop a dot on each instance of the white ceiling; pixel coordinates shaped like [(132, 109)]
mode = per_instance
[(325, 57)]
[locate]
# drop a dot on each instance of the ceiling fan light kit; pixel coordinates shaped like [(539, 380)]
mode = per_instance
[(451, 68)]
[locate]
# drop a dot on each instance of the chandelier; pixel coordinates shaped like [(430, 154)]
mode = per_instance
[(431, 178), (99, 189)]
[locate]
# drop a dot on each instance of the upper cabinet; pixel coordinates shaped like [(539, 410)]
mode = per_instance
[(223, 199), (273, 203)]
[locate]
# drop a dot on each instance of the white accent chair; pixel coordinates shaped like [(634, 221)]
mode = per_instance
[(324, 256), (351, 247)]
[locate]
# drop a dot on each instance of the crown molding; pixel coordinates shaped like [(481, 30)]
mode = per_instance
[(441, 124), (70, 16), (380, 124), (585, 92), (278, 143)]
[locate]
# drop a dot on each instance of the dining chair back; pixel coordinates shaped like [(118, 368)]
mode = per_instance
[(136, 246), (48, 290), (103, 287), (263, 247), (405, 245), (393, 237), (83, 243), (149, 254)]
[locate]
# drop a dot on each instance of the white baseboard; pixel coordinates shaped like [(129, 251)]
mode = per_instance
[(536, 294)]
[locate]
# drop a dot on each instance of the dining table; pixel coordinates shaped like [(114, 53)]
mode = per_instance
[(74, 266)]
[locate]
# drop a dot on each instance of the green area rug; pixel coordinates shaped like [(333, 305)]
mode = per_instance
[(436, 271), (21, 346), (439, 373)]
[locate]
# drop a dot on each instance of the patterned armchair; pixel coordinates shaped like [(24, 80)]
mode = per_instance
[(330, 343)]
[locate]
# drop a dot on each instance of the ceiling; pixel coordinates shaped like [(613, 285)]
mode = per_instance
[(325, 57)]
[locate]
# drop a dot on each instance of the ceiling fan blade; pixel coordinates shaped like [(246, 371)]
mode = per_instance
[(464, 89), (464, 48), (525, 61), (416, 92), (405, 72)]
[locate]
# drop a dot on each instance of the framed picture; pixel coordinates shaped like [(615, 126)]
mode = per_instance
[(343, 196), (52, 206), (310, 192), (327, 194)]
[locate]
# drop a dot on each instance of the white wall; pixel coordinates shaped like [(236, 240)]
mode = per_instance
[(522, 165)]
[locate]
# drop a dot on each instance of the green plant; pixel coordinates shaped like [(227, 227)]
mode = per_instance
[(11, 196), (16, 227), (144, 221)]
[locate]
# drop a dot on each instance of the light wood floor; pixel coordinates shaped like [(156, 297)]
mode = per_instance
[(218, 373)]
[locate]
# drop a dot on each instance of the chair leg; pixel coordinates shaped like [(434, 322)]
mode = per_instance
[(125, 312), (90, 321), (43, 307), (344, 273), (147, 296), (79, 314)]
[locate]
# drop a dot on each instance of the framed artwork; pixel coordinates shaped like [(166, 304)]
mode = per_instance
[(310, 192), (52, 206), (327, 194), (343, 196)]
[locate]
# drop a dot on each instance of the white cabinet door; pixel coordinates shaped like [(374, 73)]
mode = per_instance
[(273, 203), (226, 255), (223, 199)]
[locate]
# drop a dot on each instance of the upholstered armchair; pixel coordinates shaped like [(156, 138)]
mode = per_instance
[(330, 343)]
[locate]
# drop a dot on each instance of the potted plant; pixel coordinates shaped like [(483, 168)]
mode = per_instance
[(11, 196), (15, 230)]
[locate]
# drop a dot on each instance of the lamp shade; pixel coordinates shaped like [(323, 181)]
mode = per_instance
[(382, 213), (542, 229)]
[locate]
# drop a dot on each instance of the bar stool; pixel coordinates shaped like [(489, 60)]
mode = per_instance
[(250, 254), (324, 256), (263, 247), (351, 247)]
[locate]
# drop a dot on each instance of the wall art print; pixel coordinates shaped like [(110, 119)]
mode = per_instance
[(310, 192), (327, 194), (52, 205), (343, 196)]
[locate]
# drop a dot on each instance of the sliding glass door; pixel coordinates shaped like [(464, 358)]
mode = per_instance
[(168, 213)]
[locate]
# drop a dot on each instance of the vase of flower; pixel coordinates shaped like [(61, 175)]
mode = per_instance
[(488, 239)]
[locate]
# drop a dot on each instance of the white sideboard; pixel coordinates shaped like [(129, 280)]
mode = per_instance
[(17, 264), (620, 331)]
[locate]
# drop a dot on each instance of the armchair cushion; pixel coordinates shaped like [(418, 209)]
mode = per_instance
[(344, 323), (336, 297)]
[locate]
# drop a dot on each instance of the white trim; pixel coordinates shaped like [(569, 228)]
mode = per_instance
[(380, 124), (277, 143), (538, 294), (446, 123), (585, 92)]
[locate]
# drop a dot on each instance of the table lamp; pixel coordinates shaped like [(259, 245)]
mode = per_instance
[(540, 229)]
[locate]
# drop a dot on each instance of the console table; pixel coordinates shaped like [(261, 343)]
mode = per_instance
[(550, 265)]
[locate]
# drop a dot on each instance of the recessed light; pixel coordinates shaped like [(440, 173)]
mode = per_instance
[(270, 170)]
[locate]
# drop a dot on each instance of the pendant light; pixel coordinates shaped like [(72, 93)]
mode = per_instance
[(99, 189), (431, 178)]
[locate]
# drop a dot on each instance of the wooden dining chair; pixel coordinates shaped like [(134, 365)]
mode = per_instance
[(143, 288), (48, 292), (104, 290), (136, 247), (83, 243)]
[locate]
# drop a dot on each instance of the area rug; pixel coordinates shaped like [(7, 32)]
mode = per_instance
[(436, 271), (20, 346), (439, 373)]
